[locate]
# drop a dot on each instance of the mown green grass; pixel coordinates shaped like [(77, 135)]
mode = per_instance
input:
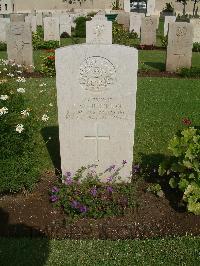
[(41, 252), (161, 105)]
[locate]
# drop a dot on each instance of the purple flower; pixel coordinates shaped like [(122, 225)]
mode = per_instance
[(110, 168), (83, 209), (109, 189), (74, 204), (55, 190), (136, 168), (109, 179), (54, 198), (93, 191), (68, 181), (124, 162), (68, 174)]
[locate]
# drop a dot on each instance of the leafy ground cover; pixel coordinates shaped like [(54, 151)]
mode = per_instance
[(171, 251)]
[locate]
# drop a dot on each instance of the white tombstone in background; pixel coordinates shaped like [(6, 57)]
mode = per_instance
[(51, 29), (96, 94), (168, 19), (99, 30), (179, 48), (196, 29), (32, 21), (3, 23), (151, 4), (65, 24), (127, 6), (135, 22), (19, 43), (39, 18)]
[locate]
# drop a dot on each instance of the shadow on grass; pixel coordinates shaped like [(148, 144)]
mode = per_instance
[(21, 244), (51, 138), (150, 164), (156, 65)]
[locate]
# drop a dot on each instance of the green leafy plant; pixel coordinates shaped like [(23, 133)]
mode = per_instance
[(164, 41), (156, 189), (85, 195), (196, 47), (18, 167), (168, 7), (184, 167), (193, 72), (80, 28), (39, 43), (121, 35), (3, 46), (48, 64)]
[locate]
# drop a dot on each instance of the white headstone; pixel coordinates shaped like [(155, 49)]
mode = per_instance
[(3, 23), (148, 31), (151, 4), (32, 21), (135, 22), (19, 43), (99, 30), (196, 28), (51, 29), (168, 19), (39, 18), (179, 49), (127, 6), (96, 88), (65, 24)]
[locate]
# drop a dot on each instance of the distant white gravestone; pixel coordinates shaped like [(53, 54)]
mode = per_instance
[(196, 28), (96, 92), (168, 19), (3, 23), (135, 22), (32, 21), (148, 31), (99, 30), (19, 44), (51, 29), (179, 49)]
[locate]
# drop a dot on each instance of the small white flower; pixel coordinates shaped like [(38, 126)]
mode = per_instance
[(5, 69), (25, 113), (19, 128), (19, 71), (4, 97), (10, 75), (3, 110), (19, 65), (42, 84), (0, 72), (41, 91), (45, 118), (21, 79), (21, 90), (51, 104)]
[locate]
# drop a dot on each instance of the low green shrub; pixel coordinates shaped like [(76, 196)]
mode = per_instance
[(18, 168), (164, 41), (121, 35), (39, 43), (156, 190), (65, 35), (193, 72), (80, 28), (184, 167), (48, 64), (196, 47), (3, 46), (84, 195)]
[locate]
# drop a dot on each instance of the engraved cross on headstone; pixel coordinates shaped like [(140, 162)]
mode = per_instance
[(97, 139)]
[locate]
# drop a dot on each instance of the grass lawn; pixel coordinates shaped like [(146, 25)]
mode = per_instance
[(41, 252)]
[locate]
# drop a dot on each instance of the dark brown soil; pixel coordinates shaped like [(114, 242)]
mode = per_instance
[(33, 215), (155, 73)]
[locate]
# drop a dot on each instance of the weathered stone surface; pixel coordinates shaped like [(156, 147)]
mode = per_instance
[(39, 19), (135, 22), (99, 30), (148, 31), (168, 19), (179, 49), (151, 6), (3, 23), (123, 18), (31, 20), (19, 43), (96, 89), (51, 29), (14, 17), (196, 29), (65, 24)]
